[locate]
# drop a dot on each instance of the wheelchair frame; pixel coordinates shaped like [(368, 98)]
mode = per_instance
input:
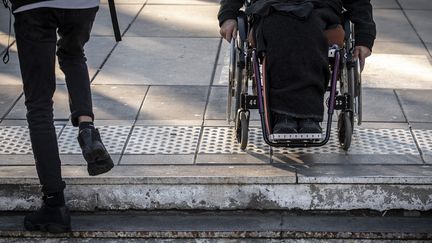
[(246, 67)]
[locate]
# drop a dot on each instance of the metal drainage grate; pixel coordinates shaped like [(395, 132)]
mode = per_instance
[(424, 139), (113, 137), (163, 140), (16, 140), (221, 140)]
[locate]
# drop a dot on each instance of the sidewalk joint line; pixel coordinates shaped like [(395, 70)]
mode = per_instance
[(410, 128), (208, 100), (133, 126), (415, 30)]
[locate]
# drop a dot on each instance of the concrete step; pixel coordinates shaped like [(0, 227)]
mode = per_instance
[(229, 187), (249, 226)]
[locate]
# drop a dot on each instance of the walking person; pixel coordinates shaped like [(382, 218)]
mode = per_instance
[(37, 25)]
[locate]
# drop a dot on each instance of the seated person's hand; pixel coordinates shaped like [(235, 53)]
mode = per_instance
[(362, 52), (228, 29)]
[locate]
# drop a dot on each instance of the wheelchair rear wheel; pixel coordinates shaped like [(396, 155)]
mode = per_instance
[(345, 129)]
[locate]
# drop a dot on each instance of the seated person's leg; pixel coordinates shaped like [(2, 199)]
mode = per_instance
[(298, 71)]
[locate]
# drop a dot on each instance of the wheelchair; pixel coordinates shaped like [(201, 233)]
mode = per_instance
[(248, 89)]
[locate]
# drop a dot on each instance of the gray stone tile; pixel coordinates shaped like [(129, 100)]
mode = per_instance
[(390, 4), (157, 159), (393, 26), (238, 159), (8, 95), (416, 4), (61, 106), (10, 73), (125, 13), (397, 72), (174, 102), (160, 61), (381, 105), (429, 46), (69, 159), (16, 159), (117, 102), (417, 104), (176, 21), (4, 22), (401, 48), (304, 160), (169, 122), (373, 174), (421, 21)]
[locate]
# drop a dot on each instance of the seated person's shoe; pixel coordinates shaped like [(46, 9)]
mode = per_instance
[(284, 124), (309, 126), (52, 219), (94, 152)]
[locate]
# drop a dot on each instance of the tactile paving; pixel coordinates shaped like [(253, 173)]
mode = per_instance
[(113, 137), (163, 140), (222, 140), (424, 139), (16, 139)]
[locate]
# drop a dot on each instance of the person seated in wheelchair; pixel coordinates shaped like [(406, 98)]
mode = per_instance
[(294, 36)]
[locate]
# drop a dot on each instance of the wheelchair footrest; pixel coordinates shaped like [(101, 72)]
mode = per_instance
[(295, 136)]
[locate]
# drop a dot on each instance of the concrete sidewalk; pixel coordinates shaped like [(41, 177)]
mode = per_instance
[(159, 100)]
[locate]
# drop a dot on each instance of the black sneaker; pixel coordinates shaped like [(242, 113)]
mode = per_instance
[(94, 152), (309, 126), (284, 124), (49, 219)]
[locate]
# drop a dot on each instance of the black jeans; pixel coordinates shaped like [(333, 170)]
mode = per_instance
[(36, 37)]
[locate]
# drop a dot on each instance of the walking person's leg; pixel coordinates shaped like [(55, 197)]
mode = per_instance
[(36, 42), (74, 32)]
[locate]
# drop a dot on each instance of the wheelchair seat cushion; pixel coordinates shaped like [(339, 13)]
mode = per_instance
[(335, 36)]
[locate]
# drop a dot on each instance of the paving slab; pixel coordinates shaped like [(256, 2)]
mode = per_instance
[(382, 174), (386, 4), (10, 73), (8, 95), (73, 159), (401, 48), (185, 2), (4, 22), (178, 61), (305, 160), (416, 104), (157, 159), (125, 13), (174, 103), (233, 159), (429, 46), (395, 71), (374, 101), (16, 159), (176, 21), (117, 102), (416, 4), (61, 105), (392, 25), (421, 21)]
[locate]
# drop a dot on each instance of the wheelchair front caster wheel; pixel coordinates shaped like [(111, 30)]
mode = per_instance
[(345, 130), (243, 130)]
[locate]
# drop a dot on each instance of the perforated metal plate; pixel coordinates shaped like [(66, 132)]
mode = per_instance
[(113, 137), (424, 139), (222, 140), (163, 140), (16, 140)]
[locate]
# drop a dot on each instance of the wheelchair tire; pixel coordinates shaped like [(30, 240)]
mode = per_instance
[(231, 80), (345, 130), (243, 130)]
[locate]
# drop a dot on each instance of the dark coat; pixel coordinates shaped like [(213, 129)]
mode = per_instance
[(359, 12), (19, 3)]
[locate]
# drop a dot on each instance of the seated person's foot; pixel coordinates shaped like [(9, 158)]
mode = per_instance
[(94, 151), (284, 124), (309, 126)]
